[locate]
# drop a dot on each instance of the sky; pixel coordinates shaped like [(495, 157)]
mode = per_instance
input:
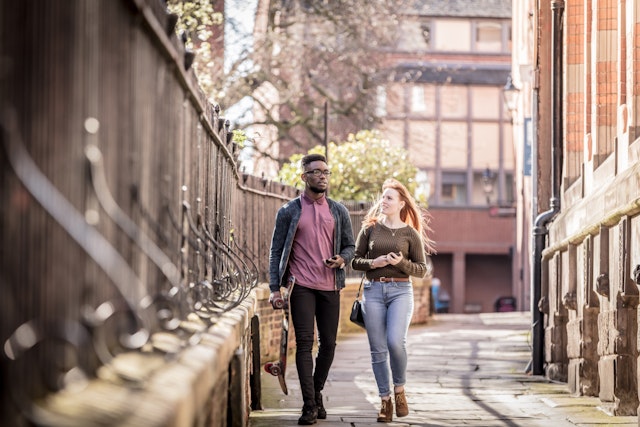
[(240, 17)]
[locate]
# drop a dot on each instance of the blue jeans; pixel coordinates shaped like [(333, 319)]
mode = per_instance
[(388, 308)]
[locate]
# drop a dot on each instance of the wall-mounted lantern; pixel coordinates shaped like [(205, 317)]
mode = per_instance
[(510, 94), (488, 178)]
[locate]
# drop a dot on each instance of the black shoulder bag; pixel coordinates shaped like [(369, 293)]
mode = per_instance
[(356, 310), (357, 316)]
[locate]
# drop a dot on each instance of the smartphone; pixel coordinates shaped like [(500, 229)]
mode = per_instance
[(330, 260)]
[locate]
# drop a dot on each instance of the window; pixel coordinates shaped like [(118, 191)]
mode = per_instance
[(426, 33), (448, 191), (418, 104), (464, 35), (509, 196), (488, 190), (454, 189), (485, 188), (488, 37)]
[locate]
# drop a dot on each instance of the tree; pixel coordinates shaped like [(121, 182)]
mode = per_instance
[(303, 54), (200, 24), (359, 166)]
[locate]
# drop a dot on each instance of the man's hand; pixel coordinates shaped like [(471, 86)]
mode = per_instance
[(335, 261), (276, 300)]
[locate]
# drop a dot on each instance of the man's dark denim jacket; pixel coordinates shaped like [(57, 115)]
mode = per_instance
[(284, 231)]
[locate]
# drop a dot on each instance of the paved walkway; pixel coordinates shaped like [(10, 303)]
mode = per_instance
[(464, 370)]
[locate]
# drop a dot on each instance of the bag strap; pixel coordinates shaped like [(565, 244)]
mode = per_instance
[(360, 288), (363, 274)]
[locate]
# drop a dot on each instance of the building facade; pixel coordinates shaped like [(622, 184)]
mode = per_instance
[(442, 100), (437, 85), (584, 103)]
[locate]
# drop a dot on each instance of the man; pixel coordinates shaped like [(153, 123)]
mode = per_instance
[(312, 241)]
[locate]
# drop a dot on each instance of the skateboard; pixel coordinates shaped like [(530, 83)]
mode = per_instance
[(279, 367)]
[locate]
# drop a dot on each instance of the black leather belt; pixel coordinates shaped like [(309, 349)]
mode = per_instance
[(393, 279)]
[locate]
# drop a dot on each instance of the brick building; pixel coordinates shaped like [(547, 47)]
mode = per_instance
[(443, 102), (437, 88), (582, 99)]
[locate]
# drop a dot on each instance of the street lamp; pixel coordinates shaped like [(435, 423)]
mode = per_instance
[(487, 183), (510, 94)]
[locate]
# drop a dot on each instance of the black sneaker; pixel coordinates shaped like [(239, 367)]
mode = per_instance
[(309, 415), (322, 413)]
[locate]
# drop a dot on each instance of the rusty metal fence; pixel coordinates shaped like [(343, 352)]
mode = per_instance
[(122, 211)]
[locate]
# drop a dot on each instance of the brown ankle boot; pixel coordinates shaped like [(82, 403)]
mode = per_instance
[(402, 408), (386, 411)]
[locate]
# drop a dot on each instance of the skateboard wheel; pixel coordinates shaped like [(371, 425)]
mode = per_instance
[(278, 303), (273, 368)]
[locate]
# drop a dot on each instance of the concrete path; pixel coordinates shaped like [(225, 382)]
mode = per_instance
[(464, 370)]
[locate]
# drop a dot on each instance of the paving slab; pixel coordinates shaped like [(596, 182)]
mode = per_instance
[(463, 370)]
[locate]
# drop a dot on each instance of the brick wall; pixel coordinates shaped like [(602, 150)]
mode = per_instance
[(195, 376)]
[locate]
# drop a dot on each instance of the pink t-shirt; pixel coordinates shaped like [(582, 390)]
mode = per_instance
[(312, 244)]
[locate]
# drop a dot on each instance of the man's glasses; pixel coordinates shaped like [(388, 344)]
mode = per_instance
[(318, 172)]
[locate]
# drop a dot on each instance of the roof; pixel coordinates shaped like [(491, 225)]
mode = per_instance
[(459, 8), (458, 74)]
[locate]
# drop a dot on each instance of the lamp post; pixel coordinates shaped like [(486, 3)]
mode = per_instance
[(510, 94)]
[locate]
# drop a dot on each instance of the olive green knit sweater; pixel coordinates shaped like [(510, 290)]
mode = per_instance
[(380, 240)]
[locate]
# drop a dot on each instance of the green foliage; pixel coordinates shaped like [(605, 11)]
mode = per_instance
[(197, 19), (359, 166), (196, 16), (239, 137)]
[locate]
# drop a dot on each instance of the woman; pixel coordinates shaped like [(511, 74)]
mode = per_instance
[(391, 247)]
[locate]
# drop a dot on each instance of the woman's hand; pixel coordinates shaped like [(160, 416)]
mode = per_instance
[(394, 258), (380, 262)]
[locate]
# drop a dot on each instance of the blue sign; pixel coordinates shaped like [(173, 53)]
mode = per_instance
[(526, 152)]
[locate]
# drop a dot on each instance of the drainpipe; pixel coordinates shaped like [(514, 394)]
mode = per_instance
[(540, 230)]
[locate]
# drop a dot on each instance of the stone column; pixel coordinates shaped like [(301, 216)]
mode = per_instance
[(617, 323), (556, 332), (574, 324), (459, 296), (582, 329)]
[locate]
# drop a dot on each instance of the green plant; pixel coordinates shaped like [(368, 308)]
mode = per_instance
[(359, 165)]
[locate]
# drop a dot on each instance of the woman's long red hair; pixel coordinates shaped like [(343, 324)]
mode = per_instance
[(410, 214)]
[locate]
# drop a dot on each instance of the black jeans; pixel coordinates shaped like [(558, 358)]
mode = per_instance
[(323, 306)]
